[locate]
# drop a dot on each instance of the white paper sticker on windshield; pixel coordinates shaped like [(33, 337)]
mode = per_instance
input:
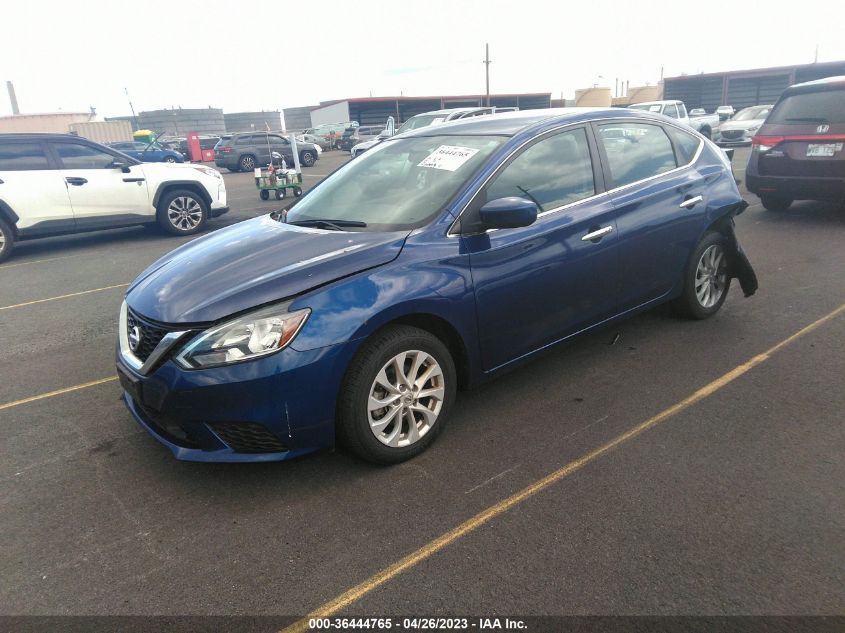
[(654, 108), (437, 120), (448, 157)]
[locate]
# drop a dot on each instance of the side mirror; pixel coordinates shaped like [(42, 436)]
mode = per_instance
[(508, 213), (121, 166)]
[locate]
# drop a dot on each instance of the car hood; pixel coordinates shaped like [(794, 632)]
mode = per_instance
[(741, 125), (250, 264)]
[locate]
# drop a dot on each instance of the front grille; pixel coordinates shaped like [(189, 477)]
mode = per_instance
[(151, 335), (248, 437), (732, 134)]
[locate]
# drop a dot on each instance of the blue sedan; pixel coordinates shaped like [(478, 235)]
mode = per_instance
[(438, 259), (148, 152)]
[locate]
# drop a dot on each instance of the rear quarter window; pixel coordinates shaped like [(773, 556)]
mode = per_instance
[(686, 145)]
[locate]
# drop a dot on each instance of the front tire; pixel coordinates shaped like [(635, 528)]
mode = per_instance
[(706, 279), (774, 203), (7, 240), (169, 159), (182, 212), (396, 395)]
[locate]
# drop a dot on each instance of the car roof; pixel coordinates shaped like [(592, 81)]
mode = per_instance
[(664, 102), (824, 83), (512, 123), (42, 136)]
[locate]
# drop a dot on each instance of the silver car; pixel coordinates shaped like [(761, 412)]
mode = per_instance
[(740, 129)]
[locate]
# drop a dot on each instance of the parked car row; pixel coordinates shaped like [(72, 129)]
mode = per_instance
[(370, 139)]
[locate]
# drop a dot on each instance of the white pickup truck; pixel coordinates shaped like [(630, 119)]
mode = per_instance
[(677, 110)]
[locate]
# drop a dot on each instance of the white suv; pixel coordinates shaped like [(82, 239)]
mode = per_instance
[(52, 184)]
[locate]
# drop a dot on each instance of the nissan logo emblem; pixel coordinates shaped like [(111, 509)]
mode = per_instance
[(134, 338)]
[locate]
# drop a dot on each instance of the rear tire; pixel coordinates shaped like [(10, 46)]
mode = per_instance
[(774, 203), (706, 279), (7, 240), (169, 159), (265, 195), (385, 435), (182, 212), (307, 158)]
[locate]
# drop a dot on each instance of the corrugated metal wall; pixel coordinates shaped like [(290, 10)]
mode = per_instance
[(297, 118), (744, 88), (749, 91), (248, 121), (178, 122)]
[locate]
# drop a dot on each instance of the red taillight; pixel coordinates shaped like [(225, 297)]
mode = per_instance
[(225, 149), (769, 141)]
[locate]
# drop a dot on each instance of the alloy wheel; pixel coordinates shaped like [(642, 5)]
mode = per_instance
[(406, 398), (247, 163), (711, 276), (184, 213), (2, 240)]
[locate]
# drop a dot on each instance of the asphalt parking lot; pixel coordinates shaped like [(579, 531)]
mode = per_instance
[(729, 504)]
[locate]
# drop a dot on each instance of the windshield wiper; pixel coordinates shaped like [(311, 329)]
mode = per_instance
[(811, 119), (335, 225)]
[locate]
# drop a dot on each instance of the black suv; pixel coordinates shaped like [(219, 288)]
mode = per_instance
[(245, 152), (799, 152)]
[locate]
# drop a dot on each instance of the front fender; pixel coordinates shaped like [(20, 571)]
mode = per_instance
[(418, 283)]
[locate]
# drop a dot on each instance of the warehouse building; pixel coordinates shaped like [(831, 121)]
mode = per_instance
[(743, 88), (375, 110)]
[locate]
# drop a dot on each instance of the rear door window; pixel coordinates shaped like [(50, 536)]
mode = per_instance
[(22, 157), (810, 107), (635, 151)]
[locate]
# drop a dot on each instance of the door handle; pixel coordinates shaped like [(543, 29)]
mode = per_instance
[(597, 234), (75, 181), (133, 180), (689, 203)]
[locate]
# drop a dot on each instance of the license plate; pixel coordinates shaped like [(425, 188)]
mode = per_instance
[(823, 149), (131, 385)]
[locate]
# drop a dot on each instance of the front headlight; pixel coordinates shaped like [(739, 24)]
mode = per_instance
[(208, 171), (754, 128), (248, 337)]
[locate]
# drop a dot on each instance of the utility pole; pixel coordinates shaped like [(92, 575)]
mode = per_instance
[(131, 107), (816, 58), (486, 63), (12, 97)]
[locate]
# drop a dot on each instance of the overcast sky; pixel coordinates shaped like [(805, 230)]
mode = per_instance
[(259, 55)]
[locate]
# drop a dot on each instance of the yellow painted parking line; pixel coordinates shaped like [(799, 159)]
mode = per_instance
[(411, 560), (57, 392), (37, 261), (72, 294)]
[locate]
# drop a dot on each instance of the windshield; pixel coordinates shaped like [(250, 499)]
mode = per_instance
[(421, 120), (811, 107), (749, 114), (399, 184)]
